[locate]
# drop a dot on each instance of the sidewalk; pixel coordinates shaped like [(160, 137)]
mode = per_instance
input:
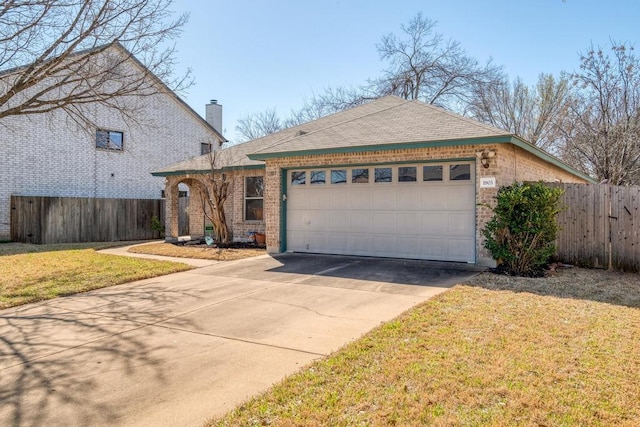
[(124, 251)]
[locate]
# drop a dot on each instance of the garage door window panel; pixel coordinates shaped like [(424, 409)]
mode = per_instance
[(383, 175), (318, 177), (339, 176), (460, 172), (298, 178), (360, 176), (254, 198), (432, 173), (407, 174)]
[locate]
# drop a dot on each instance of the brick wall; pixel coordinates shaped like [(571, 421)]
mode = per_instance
[(50, 155), (510, 164), (233, 207)]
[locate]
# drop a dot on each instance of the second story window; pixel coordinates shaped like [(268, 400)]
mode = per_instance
[(109, 140), (205, 148)]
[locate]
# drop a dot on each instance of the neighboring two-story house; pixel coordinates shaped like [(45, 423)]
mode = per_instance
[(49, 154)]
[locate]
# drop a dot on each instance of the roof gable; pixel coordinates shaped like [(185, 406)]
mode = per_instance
[(387, 123), (398, 122), (129, 58)]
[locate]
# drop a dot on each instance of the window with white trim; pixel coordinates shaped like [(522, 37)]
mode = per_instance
[(254, 198)]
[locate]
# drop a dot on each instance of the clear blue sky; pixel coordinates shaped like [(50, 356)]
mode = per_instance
[(254, 55)]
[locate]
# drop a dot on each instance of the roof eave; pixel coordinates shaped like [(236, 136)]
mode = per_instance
[(538, 152), (497, 139), (206, 171), (383, 147)]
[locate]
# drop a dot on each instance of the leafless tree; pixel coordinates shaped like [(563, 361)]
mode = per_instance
[(260, 124), (534, 113), (214, 191), (70, 54), (332, 100), (423, 65), (602, 132)]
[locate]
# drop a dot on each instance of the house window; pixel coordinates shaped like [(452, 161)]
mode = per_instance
[(460, 172), (318, 177), (383, 175), (359, 176), (205, 148), (298, 178), (339, 176), (109, 140), (407, 174), (432, 173), (253, 198)]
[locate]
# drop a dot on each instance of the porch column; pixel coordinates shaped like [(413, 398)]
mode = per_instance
[(171, 210)]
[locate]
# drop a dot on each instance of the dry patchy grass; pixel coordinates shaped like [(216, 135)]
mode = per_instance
[(45, 272), (168, 249), (498, 351), (12, 248)]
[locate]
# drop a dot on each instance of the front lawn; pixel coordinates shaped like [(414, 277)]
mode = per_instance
[(33, 273), (497, 351)]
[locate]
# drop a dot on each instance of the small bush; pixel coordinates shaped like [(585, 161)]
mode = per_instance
[(156, 225), (521, 234)]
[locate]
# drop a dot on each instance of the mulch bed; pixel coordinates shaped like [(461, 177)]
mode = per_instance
[(231, 245)]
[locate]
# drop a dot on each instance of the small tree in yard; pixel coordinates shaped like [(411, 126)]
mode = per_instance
[(522, 232), (214, 193)]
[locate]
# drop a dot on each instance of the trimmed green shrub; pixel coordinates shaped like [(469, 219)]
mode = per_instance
[(522, 232), (156, 225)]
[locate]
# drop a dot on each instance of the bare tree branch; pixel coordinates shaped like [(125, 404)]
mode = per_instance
[(422, 65), (257, 125), (534, 113), (69, 54), (602, 136)]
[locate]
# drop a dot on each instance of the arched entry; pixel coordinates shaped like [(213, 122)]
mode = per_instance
[(183, 215)]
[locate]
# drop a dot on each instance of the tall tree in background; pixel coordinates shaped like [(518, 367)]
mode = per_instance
[(257, 125), (534, 113), (602, 133), (63, 55), (421, 64)]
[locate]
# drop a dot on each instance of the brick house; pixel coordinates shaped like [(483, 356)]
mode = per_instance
[(49, 154), (390, 178)]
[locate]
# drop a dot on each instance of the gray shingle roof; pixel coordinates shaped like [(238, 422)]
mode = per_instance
[(388, 120)]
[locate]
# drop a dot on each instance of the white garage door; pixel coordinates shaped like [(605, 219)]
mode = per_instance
[(423, 211)]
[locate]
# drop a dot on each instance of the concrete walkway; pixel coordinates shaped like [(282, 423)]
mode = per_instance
[(178, 349)]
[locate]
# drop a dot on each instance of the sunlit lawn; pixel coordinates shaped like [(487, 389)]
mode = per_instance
[(216, 254), (33, 273), (508, 352)]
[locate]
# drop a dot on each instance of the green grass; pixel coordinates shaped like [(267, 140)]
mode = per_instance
[(32, 273), (475, 356)]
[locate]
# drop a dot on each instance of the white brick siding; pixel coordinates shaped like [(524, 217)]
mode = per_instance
[(49, 155)]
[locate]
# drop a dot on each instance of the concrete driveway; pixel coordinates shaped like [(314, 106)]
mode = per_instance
[(178, 349)]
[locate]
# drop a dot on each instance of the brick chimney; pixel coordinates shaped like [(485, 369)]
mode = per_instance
[(214, 114)]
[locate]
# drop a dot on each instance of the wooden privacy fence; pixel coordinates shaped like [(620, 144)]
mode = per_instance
[(48, 220), (600, 226)]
